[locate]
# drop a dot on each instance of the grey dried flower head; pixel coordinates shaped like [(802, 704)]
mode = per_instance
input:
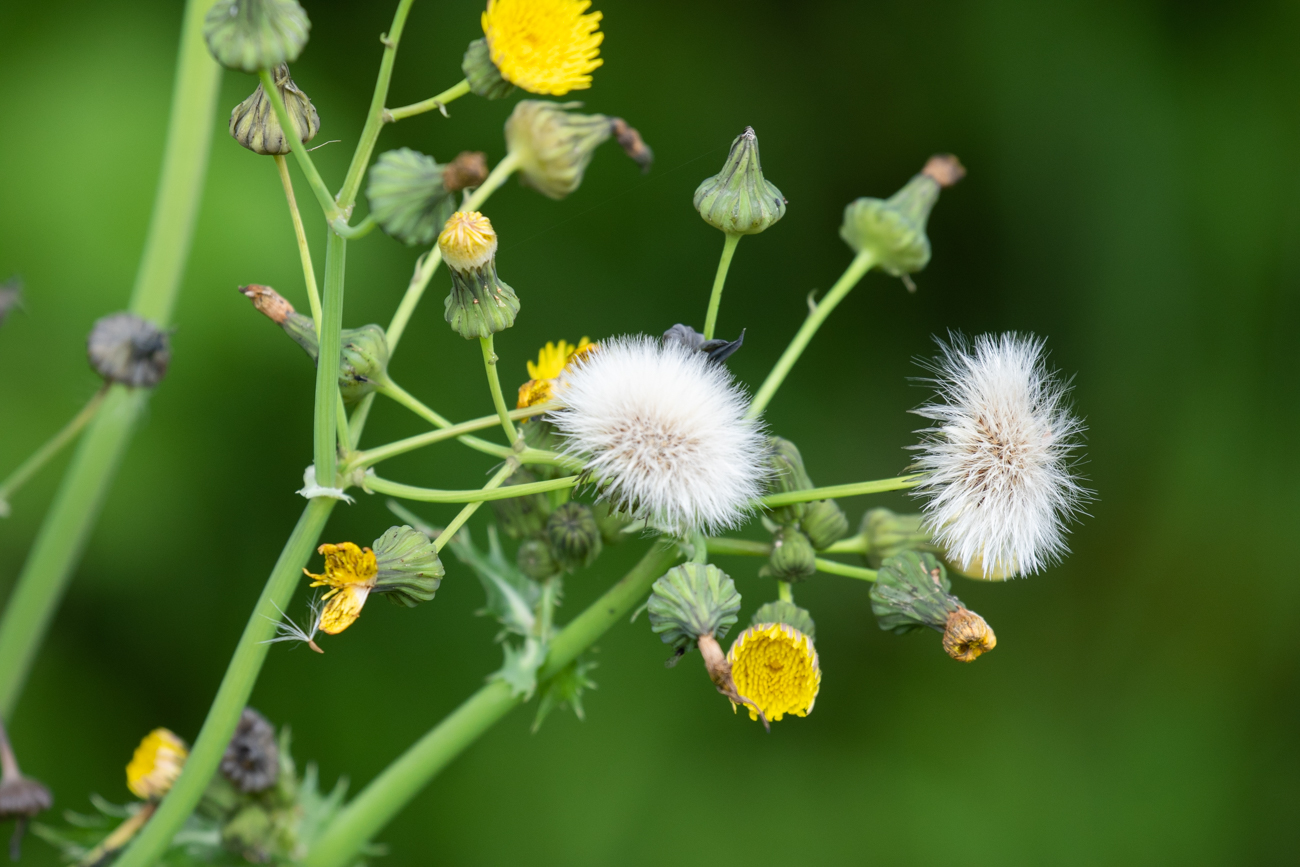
[(20, 797), (129, 349), (718, 350), (252, 759)]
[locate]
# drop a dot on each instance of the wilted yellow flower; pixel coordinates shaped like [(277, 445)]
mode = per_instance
[(551, 361), (966, 636), (156, 764), (544, 46), (467, 241), (350, 573), (775, 667)]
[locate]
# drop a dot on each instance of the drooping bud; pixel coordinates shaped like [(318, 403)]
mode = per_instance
[(482, 74), (788, 613), (534, 559), (468, 170), (407, 566), (251, 35), (739, 200), (886, 533), (825, 523), (21, 797), (966, 636), (792, 558), (253, 123), (787, 474), (522, 516), (128, 349), (554, 146), (480, 304), (156, 764), (690, 601), (717, 350), (912, 591), (893, 229), (11, 296), (252, 758), (408, 196), (573, 535)]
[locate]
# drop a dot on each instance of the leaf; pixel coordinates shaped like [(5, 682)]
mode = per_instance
[(520, 669), (566, 688), (511, 595)]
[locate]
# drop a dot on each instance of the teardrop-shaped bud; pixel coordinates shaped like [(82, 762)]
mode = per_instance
[(408, 197), (254, 125), (554, 146), (792, 558), (893, 229), (825, 523), (739, 200), (251, 35), (409, 570)]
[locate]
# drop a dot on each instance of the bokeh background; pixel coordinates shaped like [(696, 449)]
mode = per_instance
[(1134, 195)]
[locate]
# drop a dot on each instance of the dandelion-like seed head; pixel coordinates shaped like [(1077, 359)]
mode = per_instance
[(775, 667), (662, 432), (156, 764), (999, 481), (350, 573), (467, 241), (544, 46)]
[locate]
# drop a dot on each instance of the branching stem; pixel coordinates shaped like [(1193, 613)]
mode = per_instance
[(439, 102)]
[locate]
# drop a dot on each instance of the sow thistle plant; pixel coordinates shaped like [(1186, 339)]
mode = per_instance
[(644, 438)]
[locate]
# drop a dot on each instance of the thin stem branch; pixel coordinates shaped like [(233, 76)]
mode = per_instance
[(352, 233), (851, 545), (834, 492), (395, 392), (370, 457), (742, 547), (481, 495), (784, 592), (327, 203), (304, 251), (715, 298), (833, 568), (357, 423), (494, 385), (450, 531), (861, 264), (52, 447), (439, 102)]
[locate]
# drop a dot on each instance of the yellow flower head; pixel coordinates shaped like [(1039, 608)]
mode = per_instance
[(551, 361), (775, 667), (467, 241), (544, 46), (350, 573), (156, 764)]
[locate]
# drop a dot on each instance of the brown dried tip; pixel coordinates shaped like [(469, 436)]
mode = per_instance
[(268, 301), (632, 143), (966, 636), (715, 662), (469, 169), (946, 169)]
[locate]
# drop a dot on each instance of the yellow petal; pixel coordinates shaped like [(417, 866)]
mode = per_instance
[(344, 608)]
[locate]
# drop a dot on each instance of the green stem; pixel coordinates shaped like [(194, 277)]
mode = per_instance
[(235, 689), (357, 423), (784, 592), (715, 299), (852, 545), (833, 568), (834, 492), (59, 543), (395, 392), (464, 514), (370, 457), (325, 451), (699, 549), (360, 230), (304, 251), (743, 547), (481, 495), (861, 264), (401, 781), (494, 385), (341, 417), (327, 203), (456, 91), (51, 448)]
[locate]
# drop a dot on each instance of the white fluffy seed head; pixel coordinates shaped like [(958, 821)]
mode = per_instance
[(662, 432), (999, 477)]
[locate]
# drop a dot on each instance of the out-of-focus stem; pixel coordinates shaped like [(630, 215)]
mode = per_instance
[(52, 447)]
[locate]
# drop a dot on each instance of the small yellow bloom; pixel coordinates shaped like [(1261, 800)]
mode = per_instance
[(775, 667), (156, 764), (350, 573), (467, 241), (544, 46), (551, 362)]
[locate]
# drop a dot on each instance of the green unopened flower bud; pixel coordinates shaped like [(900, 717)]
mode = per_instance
[(554, 146), (409, 570), (128, 349), (251, 832), (893, 229), (788, 475), (535, 560), (480, 304), (825, 523), (573, 535), (482, 74), (739, 200), (408, 197), (792, 558), (787, 613), (912, 591), (887, 533), (522, 516), (692, 601), (254, 124), (251, 35)]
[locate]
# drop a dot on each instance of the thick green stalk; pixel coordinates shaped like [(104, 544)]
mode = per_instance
[(388, 793), (861, 264), (831, 567), (494, 385), (52, 447), (834, 492), (325, 451), (744, 547), (715, 297), (439, 102), (785, 592), (235, 689), (63, 534), (478, 495)]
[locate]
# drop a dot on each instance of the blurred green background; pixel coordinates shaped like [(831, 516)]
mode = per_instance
[(1134, 195)]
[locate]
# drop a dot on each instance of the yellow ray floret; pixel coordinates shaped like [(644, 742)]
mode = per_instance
[(775, 667), (156, 764), (551, 361), (350, 573), (467, 241), (544, 46)]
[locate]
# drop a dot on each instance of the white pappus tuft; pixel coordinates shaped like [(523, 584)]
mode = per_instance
[(999, 479), (661, 430), (287, 630)]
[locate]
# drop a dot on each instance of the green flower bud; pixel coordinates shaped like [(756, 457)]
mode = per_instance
[(788, 474), (483, 76), (129, 349), (792, 558), (825, 523), (787, 613), (535, 560), (691, 601), (408, 564), (894, 229), (911, 591), (554, 146), (739, 200), (573, 535), (480, 304), (408, 197), (254, 125), (522, 516), (251, 35), (887, 533), (250, 832)]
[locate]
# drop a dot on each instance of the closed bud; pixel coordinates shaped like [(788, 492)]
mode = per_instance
[(534, 559), (467, 171), (522, 516), (156, 764), (691, 601), (825, 523), (573, 535), (408, 568), (787, 613), (252, 758), (554, 146), (480, 304), (408, 196), (251, 35), (482, 74), (787, 474), (792, 558), (887, 533), (966, 636), (739, 200), (253, 123), (128, 349), (893, 229), (911, 591)]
